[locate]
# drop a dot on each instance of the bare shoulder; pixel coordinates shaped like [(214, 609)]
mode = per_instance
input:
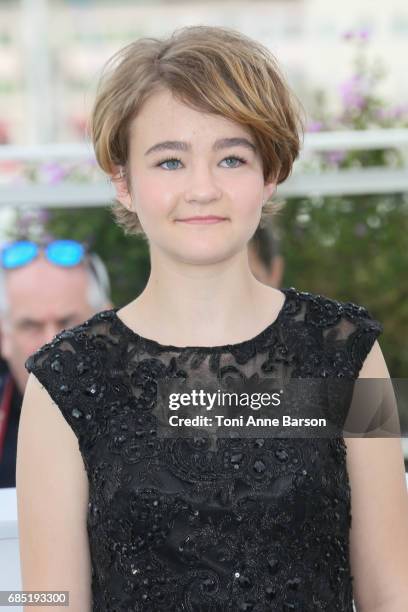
[(379, 509), (52, 499)]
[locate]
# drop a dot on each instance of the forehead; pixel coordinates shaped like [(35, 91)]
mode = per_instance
[(163, 115), (42, 282)]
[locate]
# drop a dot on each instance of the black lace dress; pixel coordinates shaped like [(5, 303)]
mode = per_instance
[(259, 524)]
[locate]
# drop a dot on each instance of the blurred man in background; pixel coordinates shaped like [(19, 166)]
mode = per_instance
[(265, 261), (42, 291)]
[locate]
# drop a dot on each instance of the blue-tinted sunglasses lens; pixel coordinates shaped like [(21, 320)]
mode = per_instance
[(65, 252), (18, 254)]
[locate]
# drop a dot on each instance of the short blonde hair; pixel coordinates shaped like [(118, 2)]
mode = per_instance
[(212, 69)]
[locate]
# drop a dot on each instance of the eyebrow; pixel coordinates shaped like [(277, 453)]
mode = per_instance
[(180, 145)]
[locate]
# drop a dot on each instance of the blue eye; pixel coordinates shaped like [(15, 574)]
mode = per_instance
[(240, 159), (175, 159), (166, 161)]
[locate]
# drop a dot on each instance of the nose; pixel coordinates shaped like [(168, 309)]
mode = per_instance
[(49, 331), (202, 184)]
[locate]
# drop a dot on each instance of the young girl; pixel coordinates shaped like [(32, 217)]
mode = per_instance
[(196, 132)]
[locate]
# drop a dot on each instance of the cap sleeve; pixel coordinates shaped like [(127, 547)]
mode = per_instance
[(366, 331), (69, 369), (359, 330), (349, 332)]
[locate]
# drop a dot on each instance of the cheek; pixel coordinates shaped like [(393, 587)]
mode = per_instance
[(242, 184), (247, 197), (18, 346), (152, 198)]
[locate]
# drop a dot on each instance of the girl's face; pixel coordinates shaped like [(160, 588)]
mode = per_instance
[(184, 163)]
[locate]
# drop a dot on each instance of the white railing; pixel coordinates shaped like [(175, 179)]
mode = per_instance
[(302, 183), (356, 139)]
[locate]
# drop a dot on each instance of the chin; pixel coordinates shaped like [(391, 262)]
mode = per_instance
[(210, 252)]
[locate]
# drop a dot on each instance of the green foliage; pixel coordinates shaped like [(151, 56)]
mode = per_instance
[(355, 248)]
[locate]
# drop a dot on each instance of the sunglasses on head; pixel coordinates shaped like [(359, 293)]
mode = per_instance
[(63, 253)]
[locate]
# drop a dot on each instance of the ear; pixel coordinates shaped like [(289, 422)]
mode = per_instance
[(119, 182), (269, 190)]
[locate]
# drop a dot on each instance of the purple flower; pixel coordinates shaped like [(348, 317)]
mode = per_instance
[(314, 126), (348, 35), (395, 112), (335, 157), (52, 173), (350, 91), (364, 34)]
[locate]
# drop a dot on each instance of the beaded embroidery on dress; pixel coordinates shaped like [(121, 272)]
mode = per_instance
[(260, 524)]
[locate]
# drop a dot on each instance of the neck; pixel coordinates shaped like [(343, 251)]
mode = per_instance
[(203, 305)]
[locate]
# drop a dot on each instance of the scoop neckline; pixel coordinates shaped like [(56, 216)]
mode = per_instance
[(149, 342)]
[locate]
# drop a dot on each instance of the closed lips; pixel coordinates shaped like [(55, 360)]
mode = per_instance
[(208, 218)]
